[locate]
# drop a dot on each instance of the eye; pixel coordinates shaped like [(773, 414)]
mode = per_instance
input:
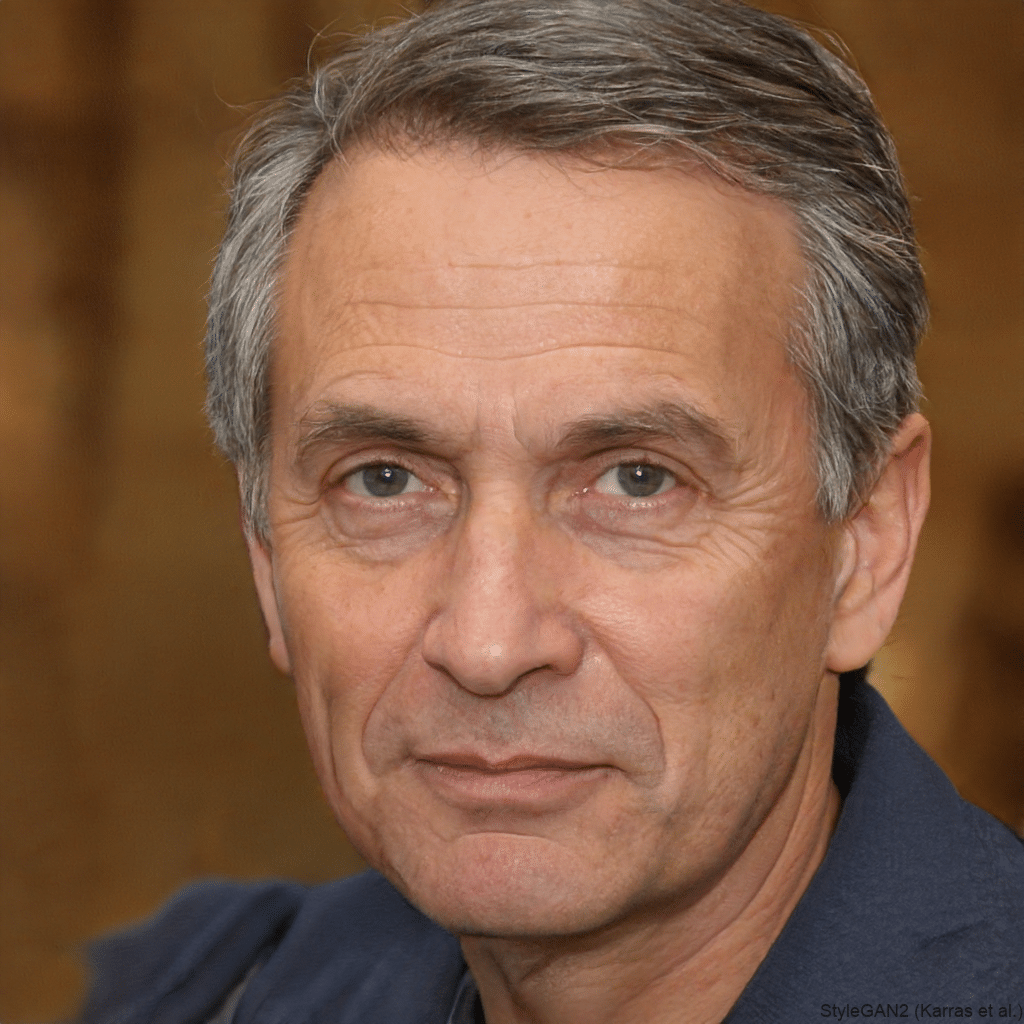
[(382, 480), (635, 480)]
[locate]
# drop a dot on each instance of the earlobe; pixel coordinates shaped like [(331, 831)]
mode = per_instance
[(879, 545), (263, 576)]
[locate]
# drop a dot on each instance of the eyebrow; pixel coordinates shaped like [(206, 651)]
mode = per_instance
[(331, 424), (672, 421)]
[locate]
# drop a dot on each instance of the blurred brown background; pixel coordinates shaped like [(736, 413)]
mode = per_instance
[(144, 738)]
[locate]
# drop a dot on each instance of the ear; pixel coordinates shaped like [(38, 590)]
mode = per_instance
[(263, 574), (878, 550)]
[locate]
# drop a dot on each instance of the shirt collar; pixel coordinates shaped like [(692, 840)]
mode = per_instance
[(466, 1007)]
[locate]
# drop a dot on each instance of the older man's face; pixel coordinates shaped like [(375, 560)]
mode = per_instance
[(544, 557)]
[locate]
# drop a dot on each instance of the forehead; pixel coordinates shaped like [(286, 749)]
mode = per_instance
[(400, 261)]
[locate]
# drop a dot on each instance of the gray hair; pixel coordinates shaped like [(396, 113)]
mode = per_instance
[(653, 82)]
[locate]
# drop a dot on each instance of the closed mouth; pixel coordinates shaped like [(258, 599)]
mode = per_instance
[(520, 763)]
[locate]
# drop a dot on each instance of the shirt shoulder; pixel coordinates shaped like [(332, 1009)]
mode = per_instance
[(354, 946), (919, 900), (188, 956)]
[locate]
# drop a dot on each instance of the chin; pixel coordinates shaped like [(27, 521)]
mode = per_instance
[(504, 885)]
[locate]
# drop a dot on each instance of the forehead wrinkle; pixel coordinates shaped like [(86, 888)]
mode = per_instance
[(525, 264), (567, 303), (560, 346), (598, 281), (538, 281), (348, 327)]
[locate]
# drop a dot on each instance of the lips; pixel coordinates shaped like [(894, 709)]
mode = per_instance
[(522, 762), (526, 782)]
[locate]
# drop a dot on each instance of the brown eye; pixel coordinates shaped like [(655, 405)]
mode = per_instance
[(382, 480), (635, 480)]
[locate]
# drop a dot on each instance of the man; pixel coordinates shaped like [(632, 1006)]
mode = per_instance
[(565, 355)]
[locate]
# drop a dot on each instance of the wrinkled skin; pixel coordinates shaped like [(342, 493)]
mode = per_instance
[(569, 684)]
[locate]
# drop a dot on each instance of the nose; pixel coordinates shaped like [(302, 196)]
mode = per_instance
[(501, 616)]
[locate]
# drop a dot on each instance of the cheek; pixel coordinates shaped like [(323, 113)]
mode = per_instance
[(728, 656), (681, 637), (768, 653), (349, 634), (345, 625)]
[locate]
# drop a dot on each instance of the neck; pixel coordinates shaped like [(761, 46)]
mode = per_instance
[(685, 966)]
